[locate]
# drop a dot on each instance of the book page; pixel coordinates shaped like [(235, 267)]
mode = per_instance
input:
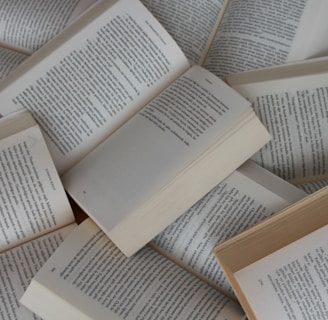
[(255, 34), (10, 60), (290, 283), (88, 278), (17, 268), (156, 145), (192, 24), (117, 58), (299, 146), (313, 186), (309, 40), (28, 25), (32, 199), (234, 205)]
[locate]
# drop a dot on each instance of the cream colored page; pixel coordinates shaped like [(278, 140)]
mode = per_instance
[(28, 25), (299, 146), (17, 268), (32, 199), (234, 205), (255, 34), (290, 283), (9, 61), (153, 147), (90, 275), (91, 84), (191, 24)]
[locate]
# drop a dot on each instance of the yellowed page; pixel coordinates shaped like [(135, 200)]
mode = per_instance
[(290, 283)]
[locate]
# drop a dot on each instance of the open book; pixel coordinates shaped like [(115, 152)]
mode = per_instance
[(256, 33), (89, 278), (223, 35), (278, 268), (35, 214), (135, 176), (227, 36), (291, 101), (247, 196)]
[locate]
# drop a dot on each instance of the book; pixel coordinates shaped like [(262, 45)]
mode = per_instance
[(89, 278), (224, 36), (254, 188), (280, 96), (284, 277), (140, 136), (233, 35), (247, 196), (35, 214)]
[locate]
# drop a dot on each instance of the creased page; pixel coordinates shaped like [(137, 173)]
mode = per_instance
[(88, 278)]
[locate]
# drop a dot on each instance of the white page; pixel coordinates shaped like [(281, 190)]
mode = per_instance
[(309, 40), (236, 204), (88, 278), (299, 144), (256, 34), (191, 23), (9, 60), (17, 268), (154, 147), (33, 200), (82, 89)]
